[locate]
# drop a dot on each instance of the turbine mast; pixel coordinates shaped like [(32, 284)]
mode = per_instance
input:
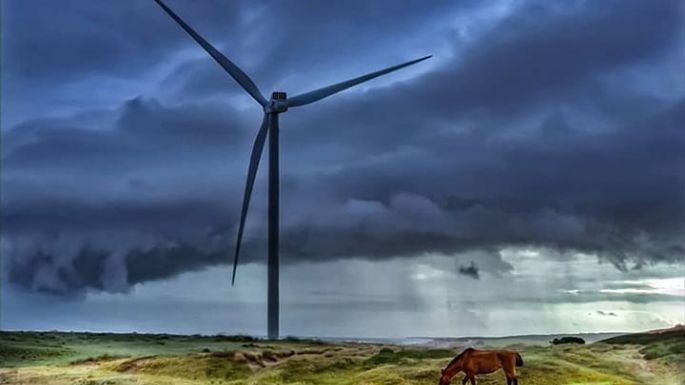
[(273, 260)]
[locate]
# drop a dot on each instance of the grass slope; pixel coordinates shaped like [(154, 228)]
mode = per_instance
[(664, 351), (123, 359)]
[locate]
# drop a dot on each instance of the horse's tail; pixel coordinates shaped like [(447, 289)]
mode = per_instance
[(519, 360)]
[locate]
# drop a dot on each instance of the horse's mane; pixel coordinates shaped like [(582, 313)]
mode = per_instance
[(455, 359)]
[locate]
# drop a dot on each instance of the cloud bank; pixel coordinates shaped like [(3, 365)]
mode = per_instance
[(558, 127)]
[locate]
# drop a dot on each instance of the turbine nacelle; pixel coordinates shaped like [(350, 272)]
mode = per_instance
[(277, 104)]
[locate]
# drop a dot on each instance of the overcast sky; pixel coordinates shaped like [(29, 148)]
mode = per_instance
[(529, 178)]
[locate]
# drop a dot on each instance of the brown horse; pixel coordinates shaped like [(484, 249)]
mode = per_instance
[(472, 362)]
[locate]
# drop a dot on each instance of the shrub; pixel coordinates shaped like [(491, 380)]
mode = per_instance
[(568, 340)]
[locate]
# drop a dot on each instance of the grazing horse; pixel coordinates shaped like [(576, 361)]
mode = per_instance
[(472, 362)]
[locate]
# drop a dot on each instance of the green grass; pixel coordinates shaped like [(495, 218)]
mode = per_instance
[(398, 355), (666, 346), (54, 348), (127, 359)]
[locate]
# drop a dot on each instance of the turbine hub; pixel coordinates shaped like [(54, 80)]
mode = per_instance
[(278, 103)]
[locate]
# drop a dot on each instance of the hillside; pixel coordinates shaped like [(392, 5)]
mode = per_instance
[(666, 345), (52, 358)]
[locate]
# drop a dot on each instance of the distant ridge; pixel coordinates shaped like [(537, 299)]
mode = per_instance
[(675, 328), (676, 333)]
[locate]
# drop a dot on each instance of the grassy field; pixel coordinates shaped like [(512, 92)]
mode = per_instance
[(48, 358)]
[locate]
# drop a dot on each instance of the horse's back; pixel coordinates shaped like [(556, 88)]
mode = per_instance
[(509, 359), (498, 354), (482, 361)]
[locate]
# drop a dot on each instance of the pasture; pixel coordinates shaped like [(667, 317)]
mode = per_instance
[(54, 358)]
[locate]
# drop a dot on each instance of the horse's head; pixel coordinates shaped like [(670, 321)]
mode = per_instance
[(444, 378)]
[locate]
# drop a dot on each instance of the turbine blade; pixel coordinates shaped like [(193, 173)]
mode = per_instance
[(256, 155), (313, 96), (232, 69)]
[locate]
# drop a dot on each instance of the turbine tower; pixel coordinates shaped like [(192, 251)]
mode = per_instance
[(279, 103)]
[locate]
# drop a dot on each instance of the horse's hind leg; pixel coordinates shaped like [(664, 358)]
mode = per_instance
[(510, 373), (512, 378)]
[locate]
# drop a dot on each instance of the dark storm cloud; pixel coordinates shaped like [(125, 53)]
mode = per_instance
[(588, 296), (60, 42), (525, 138), (304, 42), (470, 271), (51, 51), (542, 55)]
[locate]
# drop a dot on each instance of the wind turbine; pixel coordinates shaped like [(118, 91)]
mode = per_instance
[(278, 104)]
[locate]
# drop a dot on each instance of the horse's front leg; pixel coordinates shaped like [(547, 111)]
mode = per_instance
[(473, 379), (465, 380)]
